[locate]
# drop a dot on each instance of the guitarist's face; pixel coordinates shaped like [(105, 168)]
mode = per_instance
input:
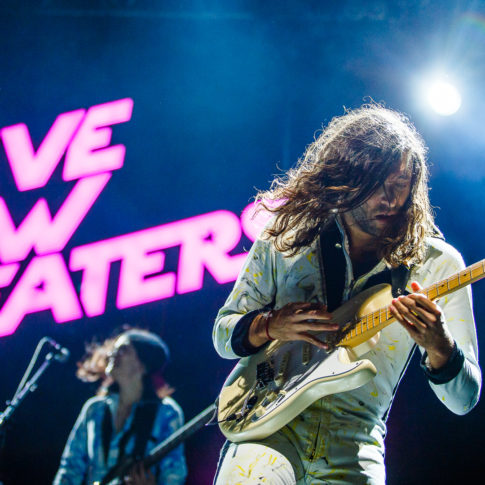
[(376, 216), (124, 364)]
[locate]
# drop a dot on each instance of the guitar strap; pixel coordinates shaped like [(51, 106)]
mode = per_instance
[(106, 431), (141, 427), (334, 266)]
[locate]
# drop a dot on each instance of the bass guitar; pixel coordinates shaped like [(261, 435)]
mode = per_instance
[(268, 389), (116, 474)]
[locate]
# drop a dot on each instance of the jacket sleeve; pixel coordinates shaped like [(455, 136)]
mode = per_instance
[(254, 290), (74, 460), (457, 385)]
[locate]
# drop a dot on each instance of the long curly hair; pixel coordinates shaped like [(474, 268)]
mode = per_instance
[(340, 170), (92, 366)]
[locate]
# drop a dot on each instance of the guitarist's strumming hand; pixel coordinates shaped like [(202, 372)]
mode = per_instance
[(425, 323), (294, 321)]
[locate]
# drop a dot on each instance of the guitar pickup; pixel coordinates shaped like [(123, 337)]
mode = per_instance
[(283, 368), (306, 353), (269, 398), (257, 414)]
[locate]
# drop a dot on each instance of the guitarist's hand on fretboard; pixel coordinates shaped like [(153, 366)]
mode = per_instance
[(425, 323), (294, 321)]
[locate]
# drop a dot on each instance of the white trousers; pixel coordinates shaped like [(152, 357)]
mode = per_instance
[(321, 446), (252, 464)]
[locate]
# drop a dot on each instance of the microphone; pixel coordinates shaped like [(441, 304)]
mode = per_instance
[(61, 354)]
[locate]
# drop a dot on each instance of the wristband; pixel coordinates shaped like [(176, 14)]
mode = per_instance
[(267, 316)]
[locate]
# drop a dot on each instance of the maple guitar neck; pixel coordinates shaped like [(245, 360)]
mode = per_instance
[(370, 324)]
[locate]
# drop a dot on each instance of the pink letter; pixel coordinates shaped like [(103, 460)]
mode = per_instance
[(95, 262), (206, 242), (45, 285), (7, 273), (87, 153), (138, 282), (253, 222), (39, 230), (32, 170)]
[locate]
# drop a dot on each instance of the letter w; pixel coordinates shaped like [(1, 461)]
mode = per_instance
[(39, 230)]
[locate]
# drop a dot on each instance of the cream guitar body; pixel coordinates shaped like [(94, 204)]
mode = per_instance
[(268, 389)]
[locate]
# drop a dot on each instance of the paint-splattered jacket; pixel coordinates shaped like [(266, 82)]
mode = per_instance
[(268, 279), (84, 456)]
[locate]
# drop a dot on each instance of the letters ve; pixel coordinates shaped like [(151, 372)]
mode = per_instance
[(84, 137)]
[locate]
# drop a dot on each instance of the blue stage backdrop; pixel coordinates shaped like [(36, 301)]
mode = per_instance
[(135, 133)]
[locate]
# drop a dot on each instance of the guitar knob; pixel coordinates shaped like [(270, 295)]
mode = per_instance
[(256, 415)]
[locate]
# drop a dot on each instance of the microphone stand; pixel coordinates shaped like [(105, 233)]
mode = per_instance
[(30, 386), (21, 393)]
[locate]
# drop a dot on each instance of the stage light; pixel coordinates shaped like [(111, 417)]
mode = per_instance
[(443, 97)]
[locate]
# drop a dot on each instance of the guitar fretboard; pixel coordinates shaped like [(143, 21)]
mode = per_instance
[(379, 319)]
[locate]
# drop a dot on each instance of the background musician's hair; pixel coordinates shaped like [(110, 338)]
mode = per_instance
[(151, 350)]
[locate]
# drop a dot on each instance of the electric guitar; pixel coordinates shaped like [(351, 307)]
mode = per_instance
[(116, 475), (267, 390)]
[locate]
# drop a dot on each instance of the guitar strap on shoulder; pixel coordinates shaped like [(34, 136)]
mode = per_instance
[(333, 262), (399, 280), (141, 428), (106, 431)]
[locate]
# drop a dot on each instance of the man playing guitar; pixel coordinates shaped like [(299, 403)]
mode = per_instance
[(353, 213)]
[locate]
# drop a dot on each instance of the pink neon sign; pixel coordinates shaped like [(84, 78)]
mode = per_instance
[(205, 241)]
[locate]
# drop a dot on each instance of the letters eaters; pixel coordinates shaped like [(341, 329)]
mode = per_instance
[(204, 241)]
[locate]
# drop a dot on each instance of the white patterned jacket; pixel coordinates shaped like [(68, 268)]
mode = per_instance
[(270, 279)]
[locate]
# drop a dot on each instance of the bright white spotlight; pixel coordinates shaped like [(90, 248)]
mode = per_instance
[(444, 98)]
